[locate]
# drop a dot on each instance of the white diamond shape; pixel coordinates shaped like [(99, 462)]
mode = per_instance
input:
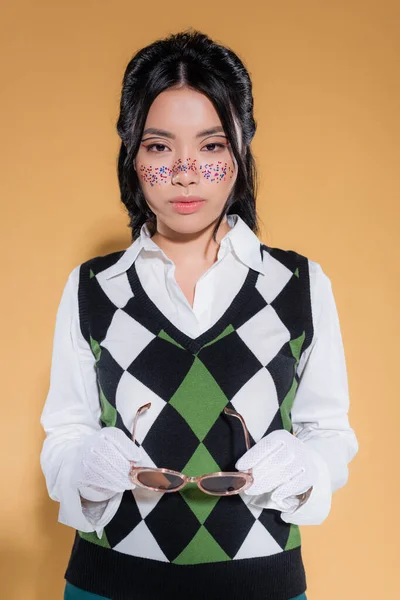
[(264, 334), (117, 289), (146, 500), (258, 543), (141, 542), (257, 402), (131, 394), (255, 510), (276, 277), (126, 338)]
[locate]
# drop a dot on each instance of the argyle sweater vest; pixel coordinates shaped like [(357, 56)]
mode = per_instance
[(188, 543)]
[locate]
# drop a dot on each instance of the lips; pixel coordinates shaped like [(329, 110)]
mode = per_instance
[(186, 205), (187, 199)]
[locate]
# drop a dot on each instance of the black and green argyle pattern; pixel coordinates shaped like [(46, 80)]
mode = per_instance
[(246, 361)]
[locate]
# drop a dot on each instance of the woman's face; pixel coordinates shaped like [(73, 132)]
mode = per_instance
[(184, 153)]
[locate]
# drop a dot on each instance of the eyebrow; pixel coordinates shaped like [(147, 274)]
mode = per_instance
[(168, 134)]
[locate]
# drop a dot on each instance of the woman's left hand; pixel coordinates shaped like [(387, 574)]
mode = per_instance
[(282, 465)]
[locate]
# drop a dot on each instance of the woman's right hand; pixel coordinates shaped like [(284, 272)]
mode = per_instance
[(106, 460)]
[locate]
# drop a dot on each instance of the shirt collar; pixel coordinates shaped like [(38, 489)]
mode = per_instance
[(240, 239)]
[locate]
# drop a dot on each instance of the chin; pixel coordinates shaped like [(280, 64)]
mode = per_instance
[(186, 224)]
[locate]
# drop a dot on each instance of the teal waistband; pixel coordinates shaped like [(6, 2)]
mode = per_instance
[(73, 593)]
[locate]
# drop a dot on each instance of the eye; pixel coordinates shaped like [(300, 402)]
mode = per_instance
[(156, 146), (215, 144)]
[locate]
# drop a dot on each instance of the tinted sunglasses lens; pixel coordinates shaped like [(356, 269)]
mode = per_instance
[(223, 484), (159, 480)]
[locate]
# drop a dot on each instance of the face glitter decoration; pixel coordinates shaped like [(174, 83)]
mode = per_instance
[(155, 175), (212, 172), (185, 153), (186, 166), (216, 172)]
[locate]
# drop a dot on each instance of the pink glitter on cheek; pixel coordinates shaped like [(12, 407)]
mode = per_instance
[(217, 172), (155, 176)]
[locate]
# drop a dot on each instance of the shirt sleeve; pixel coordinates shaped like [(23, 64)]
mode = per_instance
[(321, 405), (71, 412)]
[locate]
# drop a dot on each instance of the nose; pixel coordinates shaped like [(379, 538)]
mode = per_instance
[(185, 172)]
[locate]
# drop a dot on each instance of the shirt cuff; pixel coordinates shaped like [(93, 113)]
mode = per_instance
[(318, 505), (71, 512), (316, 508), (99, 514)]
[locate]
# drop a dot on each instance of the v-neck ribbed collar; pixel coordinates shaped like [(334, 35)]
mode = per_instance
[(194, 344)]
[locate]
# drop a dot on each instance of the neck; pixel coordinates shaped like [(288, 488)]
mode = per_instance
[(190, 248)]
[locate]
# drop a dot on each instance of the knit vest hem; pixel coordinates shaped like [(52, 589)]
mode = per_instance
[(120, 576)]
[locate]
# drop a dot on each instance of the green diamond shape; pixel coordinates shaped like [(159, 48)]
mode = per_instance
[(92, 537), (200, 503), (287, 405), (164, 335), (294, 539), (95, 347), (229, 329), (296, 345), (108, 412), (201, 463), (199, 399), (202, 549)]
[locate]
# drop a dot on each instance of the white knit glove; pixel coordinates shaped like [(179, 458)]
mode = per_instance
[(282, 465), (105, 462)]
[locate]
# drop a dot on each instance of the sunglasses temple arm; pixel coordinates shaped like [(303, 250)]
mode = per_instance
[(134, 426), (140, 410), (245, 431)]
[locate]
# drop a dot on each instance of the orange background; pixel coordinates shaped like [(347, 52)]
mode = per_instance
[(327, 99)]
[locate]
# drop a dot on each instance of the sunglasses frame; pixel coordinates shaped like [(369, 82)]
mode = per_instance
[(135, 471)]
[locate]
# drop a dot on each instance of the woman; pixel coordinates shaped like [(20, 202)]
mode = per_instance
[(198, 350)]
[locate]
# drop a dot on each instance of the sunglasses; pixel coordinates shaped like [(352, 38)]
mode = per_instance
[(216, 484)]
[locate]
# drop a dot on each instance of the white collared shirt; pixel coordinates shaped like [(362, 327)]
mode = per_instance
[(320, 409), (239, 250)]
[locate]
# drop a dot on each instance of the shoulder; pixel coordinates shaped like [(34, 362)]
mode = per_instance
[(97, 264), (83, 272), (292, 260), (93, 266), (316, 285)]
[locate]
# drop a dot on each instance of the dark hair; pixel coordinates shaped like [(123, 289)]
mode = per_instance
[(187, 59)]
